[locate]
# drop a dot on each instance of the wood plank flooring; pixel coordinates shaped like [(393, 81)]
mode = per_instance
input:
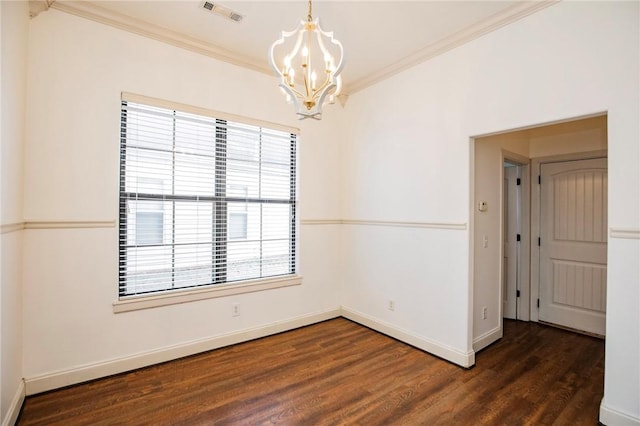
[(338, 372)]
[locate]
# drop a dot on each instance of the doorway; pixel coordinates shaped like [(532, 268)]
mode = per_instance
[(515, 237), (496, 260)]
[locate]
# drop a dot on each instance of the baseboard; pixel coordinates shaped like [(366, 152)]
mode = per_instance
[(611, 417), (487, 338), (450, 354), (85, 373), (15, 407)]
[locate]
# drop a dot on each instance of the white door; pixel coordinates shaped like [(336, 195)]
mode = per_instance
[(510, 246), (573, 247)]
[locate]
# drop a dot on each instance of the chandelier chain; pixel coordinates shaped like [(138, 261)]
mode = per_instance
[(309, 17)]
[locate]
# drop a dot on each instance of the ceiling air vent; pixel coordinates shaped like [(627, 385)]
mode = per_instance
[(223, 11)]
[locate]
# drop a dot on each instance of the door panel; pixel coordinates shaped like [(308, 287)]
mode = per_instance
[(581, 285), (573, 251)]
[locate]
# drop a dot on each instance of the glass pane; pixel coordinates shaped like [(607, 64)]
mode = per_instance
[(193, 265), (147, 282), (149, 127), (195, 135), (193, 222), (254, 221), (148, 269), (237, 191), (276, 222), (149, 227), (275, 258), (243, 260), (276, 182), (148, 171), (276, 147), (155, 227), (195, 175), (243, 174), (237, 226), (243, 142)]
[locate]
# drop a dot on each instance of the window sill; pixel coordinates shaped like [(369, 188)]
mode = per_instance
[(135, 303)]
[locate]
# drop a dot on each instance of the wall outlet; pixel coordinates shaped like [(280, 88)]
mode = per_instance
[(484, 312), (235, 310), (392, 305)]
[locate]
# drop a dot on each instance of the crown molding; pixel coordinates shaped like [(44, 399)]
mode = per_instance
[(90, 10), (494, 22), (38, 6)]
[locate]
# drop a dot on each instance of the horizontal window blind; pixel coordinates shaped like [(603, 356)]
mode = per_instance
[(203, 201)]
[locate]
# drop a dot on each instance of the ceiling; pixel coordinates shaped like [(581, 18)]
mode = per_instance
[(380, 38)]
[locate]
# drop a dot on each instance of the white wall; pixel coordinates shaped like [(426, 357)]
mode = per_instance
[(408, 159), (488, 261), (77, 71), (14, 19)]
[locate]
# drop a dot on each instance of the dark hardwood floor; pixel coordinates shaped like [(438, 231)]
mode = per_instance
[(338, 372)]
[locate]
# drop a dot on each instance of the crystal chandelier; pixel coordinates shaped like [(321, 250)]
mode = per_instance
[(308, 62)]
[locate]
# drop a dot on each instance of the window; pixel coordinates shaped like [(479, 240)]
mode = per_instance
[(203, 200)]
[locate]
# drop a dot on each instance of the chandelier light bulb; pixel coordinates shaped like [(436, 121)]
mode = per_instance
[(292, 76)]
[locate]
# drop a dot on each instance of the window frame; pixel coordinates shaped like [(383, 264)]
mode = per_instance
[(219, 286)]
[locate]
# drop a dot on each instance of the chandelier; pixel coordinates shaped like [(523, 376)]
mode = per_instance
[(308, 62)]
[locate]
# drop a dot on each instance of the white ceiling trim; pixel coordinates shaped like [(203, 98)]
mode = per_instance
[(499, 20), (38, 6), (92, 11), (89, 10)]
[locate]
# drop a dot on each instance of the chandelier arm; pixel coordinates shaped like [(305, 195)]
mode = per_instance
[(324, 94), (307, 74), (327, 81), (329, 35), (293, 90), (272, 60), (280, 41), (306, 85), (296, 47)]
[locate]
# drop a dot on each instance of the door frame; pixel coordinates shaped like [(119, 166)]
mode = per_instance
[(535, 217), (522, 303)]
